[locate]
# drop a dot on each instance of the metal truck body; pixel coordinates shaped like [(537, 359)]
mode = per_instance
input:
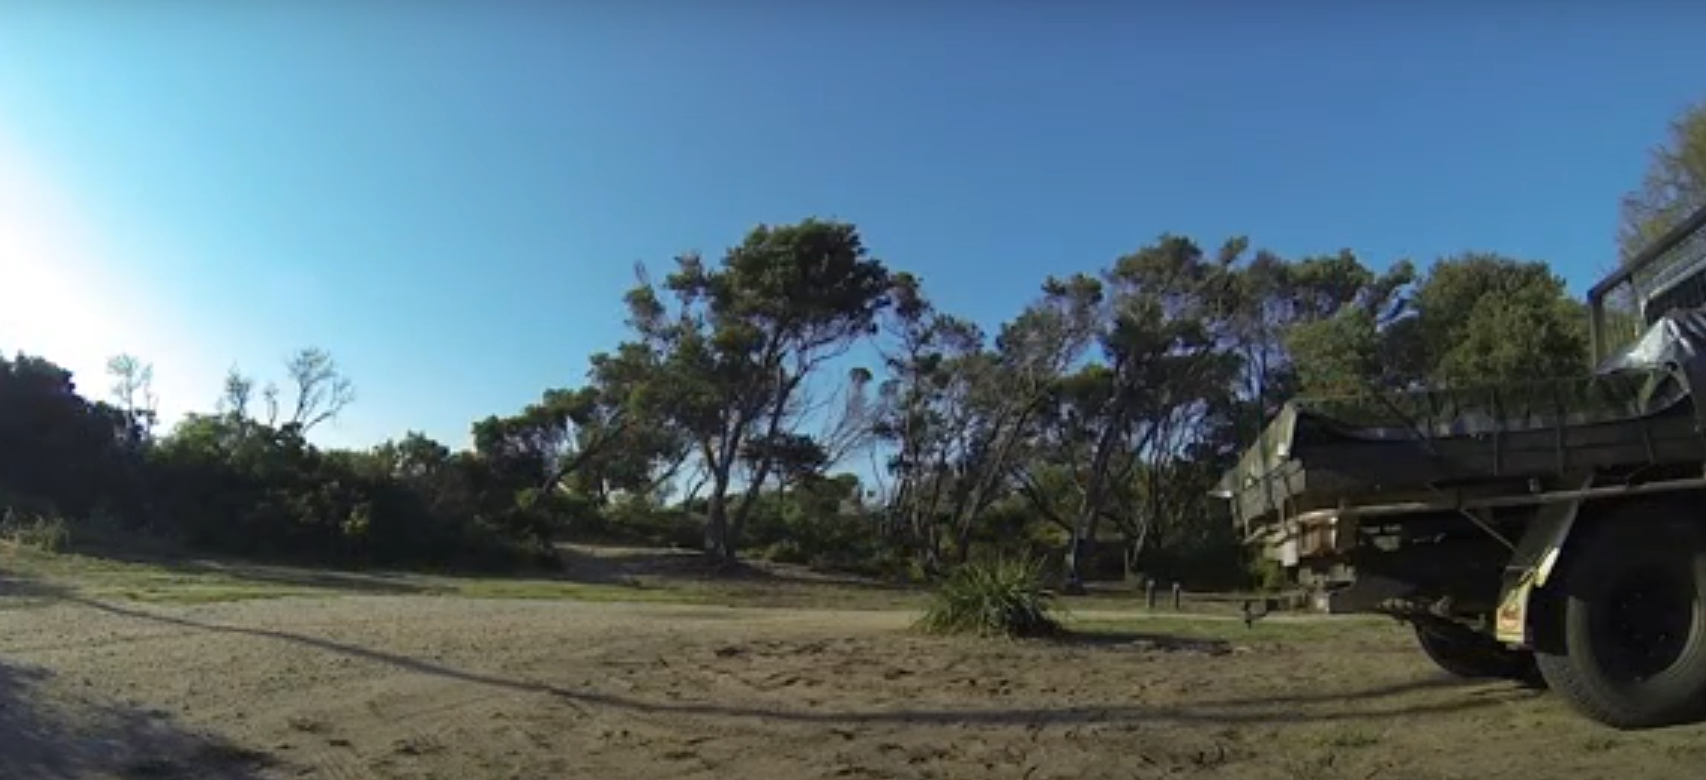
[(1552, 531)]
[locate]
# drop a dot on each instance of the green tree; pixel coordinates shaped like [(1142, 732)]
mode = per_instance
[(1673, 187), (1472, 319), (1004, 393), (133, 393), (923, 412), (1311, 325), (63, 455), (743, 338), (320, 389), (1483, 318), (1171, 347), (1337, 355)]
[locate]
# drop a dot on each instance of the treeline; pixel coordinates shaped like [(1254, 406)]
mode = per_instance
[(1090, 426)]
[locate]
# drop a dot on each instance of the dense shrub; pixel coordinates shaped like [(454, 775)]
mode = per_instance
[(45, 533), (643, 522), (1267, 575)]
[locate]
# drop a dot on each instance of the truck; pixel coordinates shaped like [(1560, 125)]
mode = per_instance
[(1551, 532)]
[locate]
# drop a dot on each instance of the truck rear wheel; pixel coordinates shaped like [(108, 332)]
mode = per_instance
[(1472, 655), (1631, 649)]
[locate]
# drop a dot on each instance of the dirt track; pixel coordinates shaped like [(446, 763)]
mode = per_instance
[(458, 689)]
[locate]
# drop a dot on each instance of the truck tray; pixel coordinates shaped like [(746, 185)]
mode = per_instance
[(1327, 451)]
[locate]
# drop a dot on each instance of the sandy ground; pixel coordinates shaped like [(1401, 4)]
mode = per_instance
[(463, 689)]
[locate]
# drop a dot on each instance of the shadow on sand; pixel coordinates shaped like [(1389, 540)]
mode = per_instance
[(1273, 710), (615, 565), (576, 564), (45, 736), (1145, 640), (369, 582)]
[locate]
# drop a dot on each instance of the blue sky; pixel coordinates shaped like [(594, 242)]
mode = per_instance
[(451, 197)]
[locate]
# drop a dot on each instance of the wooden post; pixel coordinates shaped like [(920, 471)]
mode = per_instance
[(1178, 598), (1149, 593)]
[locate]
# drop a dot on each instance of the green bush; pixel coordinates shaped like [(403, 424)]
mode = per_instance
[(641, 521), (1004, 597), (1267, 575)]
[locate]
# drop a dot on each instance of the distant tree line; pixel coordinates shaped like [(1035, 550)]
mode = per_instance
[(1089, 427)]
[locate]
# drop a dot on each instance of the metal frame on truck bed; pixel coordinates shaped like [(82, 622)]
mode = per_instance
[(1550, 531)]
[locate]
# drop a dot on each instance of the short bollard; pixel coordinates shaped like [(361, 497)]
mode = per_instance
[(1178, 598), (1149, 594)]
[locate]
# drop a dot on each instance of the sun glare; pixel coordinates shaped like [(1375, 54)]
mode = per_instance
[(62, 296)]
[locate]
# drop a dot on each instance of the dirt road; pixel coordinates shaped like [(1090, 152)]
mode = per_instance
[(464, 689)]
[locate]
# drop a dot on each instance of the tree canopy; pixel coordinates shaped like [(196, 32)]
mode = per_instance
[(1673, 187), (1101, 412)]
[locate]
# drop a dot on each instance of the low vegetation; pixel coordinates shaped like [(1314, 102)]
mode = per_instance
[(1006, 597), (47, 534)]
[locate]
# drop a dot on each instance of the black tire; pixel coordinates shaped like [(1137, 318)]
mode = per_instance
[(1630, 650), (1472, 655)]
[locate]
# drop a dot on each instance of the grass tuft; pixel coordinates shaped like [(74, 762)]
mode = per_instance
[(1005, 597)]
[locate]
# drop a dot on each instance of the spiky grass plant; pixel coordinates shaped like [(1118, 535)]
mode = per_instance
[(1003, 597)]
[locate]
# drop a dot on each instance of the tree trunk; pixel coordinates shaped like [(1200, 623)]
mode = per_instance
[(1076, 550), (962, 548), (1090, 510), (737, 524), (983, 491), (925, 524), (1137, 539), (1134, 555), (717, 542)]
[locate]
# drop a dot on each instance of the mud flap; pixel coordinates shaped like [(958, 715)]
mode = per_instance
[(1511, 625), (1532, 562)]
